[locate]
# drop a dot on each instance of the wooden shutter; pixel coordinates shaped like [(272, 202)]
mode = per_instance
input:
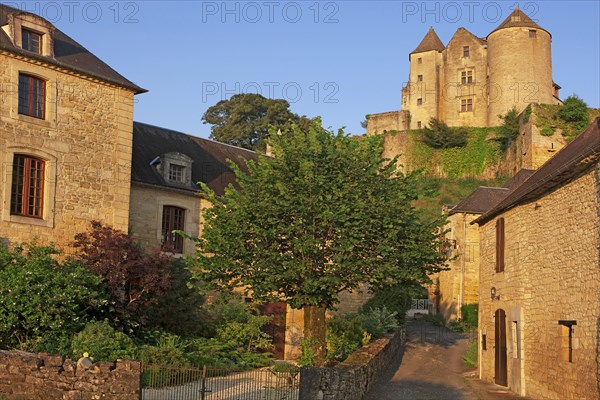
[(500, 245)]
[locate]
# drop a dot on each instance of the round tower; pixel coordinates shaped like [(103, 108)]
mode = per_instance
[(519, 66)]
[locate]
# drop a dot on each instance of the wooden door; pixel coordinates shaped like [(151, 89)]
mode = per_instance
[(500, 350), (276, 328)]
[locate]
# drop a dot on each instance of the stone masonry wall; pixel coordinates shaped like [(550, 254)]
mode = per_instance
[(353, 378), (85, 140), (551, 274), (27, 376), (460, 283)]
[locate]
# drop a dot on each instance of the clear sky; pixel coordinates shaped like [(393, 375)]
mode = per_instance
[(337, 59)]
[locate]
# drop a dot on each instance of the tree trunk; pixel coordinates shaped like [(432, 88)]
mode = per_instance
[(315, 331)]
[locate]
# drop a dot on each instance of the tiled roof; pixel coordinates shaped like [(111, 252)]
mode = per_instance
[(518, 19), (431, 41), (210, 158), (484, 198), (68, 54), (571, 160)]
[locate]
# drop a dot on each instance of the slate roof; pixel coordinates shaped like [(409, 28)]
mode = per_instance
[(484, 197), (210, 164), (570, 161), (431, 41), (518, 19), (67, 54)]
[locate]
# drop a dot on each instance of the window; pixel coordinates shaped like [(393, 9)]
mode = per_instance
[(532, 33), (466, 105), (419, 101), (484, 342), (173, 219), (419, 60), (27, 194), (176, 173), (566, 333), (500, 245), (419, 78), (419, 125), (32, 96), (466, 77), (31, 41), (466, 51)]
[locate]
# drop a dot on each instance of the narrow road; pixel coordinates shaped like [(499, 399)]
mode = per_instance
[(430, 368)]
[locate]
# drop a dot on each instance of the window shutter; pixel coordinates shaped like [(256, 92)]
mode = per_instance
[(500, 245)]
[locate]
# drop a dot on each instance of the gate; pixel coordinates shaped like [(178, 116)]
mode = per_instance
[(178, 383)]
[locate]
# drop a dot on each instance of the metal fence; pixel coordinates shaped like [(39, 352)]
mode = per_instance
[(175, 383)]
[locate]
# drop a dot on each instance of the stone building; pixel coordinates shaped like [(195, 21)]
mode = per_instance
[(65, 134), (459, 284), (539, 309), (471, 80)]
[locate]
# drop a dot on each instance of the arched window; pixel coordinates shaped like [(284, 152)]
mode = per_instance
[(27, 191)]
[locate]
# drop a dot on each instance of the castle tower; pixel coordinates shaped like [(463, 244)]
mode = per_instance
[(519, 66), (421, 95)]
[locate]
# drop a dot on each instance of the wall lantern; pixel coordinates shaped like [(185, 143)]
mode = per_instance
[(493, 294)]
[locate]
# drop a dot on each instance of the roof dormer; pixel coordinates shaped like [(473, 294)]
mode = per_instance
[(31, 33), (175, 168)]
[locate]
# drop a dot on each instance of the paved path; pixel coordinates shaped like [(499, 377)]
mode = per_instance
[(429, 368)]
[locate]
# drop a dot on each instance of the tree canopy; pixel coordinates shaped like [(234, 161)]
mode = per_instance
[(244, 119), (324, 215)]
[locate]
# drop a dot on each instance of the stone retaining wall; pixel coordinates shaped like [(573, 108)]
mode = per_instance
[(351, 379), (27, 376)]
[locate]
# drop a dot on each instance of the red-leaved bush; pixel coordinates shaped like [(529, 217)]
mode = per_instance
[(134, 279)]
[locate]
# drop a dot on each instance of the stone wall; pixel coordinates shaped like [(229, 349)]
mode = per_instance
[(353, 378), (551, 274), (85, 140), (387, 121), (460, 283), (27, 376)]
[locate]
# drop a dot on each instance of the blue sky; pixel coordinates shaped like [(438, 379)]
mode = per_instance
[(337, 59)]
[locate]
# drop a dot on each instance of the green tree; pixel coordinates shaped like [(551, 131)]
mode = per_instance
[(439, 136), (575, 110), (324, 215), (509, 130), (43, 302), (244, 119)]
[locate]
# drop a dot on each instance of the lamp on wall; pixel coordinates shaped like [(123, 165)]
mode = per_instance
[(493, 294)]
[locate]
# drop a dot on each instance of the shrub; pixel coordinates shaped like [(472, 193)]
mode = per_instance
[(379, 321), (103, 343), (470, 315), (43, 302), (134, 280), (169, 350), (574, 109), (344, 336), (394, 298), (439, 136), (436, 319), (509, 130), (471, 356)]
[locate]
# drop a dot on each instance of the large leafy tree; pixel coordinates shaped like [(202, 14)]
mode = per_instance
[(324, 215), (244, 119)]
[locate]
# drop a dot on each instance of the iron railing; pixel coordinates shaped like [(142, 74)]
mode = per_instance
[(179, 383)]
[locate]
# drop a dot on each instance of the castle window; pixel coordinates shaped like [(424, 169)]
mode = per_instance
[(466, 77), (419, 125), (419, 102), (500, 245), (419, 78), (173, 220), (466, 105), (31, 41), (32, 96), (484, 342), (532, 33), (176, 173), (466, 51), (419, 60), (566, 335), (27, 192)]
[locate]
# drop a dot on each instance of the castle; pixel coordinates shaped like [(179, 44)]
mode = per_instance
[(471, 81)]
